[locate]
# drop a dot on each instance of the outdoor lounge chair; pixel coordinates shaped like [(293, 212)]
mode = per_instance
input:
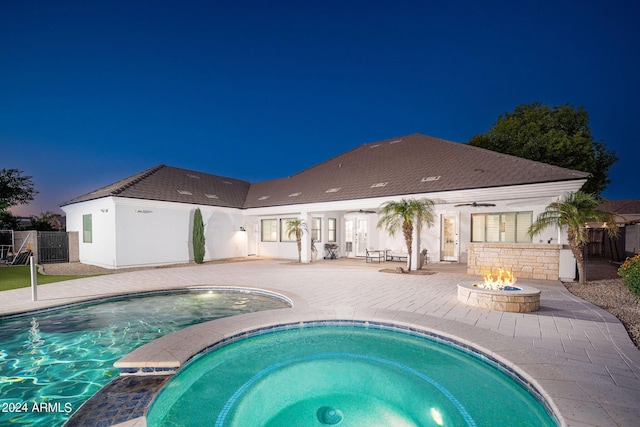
[(373, 255)]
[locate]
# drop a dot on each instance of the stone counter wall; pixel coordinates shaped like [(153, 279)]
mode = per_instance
[(527, 261)]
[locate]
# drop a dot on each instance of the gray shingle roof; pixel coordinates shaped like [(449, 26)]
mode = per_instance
[(402, 166), (171, 184), (399, 166)]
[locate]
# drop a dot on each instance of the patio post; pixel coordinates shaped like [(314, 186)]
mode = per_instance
[(34, 279)]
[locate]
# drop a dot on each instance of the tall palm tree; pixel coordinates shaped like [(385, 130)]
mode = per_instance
[(296, 227), (573, 213), (396, 216)]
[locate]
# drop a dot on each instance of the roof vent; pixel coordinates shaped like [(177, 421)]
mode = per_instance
[(333, 190), (210, 196), (185, 192), (431, 178), (379, 184), (374, 146), (263, 197), (395, 142), (295, 194), (193, 176), (228, 182)]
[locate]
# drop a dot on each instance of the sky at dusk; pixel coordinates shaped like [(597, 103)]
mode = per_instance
[(95, 91)]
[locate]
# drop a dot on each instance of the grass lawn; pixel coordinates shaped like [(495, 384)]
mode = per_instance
[(19, 276)]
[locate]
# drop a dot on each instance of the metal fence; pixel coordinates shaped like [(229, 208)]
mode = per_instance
[(6, 244), (53, 246)]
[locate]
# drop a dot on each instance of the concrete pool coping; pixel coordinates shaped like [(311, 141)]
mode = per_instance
[(579, 355)]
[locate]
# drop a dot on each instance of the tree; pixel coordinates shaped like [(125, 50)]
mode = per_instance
[(573, 213), (558, 136), (44, 222), (8, 221), (295, 227), (15, 189), (198, 237), (396, 216)]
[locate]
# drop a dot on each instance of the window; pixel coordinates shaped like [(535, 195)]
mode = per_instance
[(269, 230), (284, 234), (504, 227), (316, 229), (87, 233), (332, 230)]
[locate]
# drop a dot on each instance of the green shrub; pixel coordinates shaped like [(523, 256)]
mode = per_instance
[(198, 237), (630, 273)]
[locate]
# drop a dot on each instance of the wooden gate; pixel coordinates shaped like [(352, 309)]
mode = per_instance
[(53, 246)]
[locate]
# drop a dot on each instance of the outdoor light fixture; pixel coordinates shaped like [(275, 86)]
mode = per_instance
[(242, 229)]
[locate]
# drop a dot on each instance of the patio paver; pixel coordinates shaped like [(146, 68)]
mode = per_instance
[(579, 355)]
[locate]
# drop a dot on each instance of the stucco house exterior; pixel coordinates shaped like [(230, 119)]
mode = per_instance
[(484, 202)]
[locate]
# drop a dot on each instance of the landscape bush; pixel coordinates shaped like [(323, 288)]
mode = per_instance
[(630, 273)]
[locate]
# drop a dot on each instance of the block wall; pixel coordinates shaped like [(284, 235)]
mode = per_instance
[(527, 261)]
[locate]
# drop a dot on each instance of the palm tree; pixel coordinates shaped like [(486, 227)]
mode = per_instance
[(396, 216), (296, 227), (573, 213)]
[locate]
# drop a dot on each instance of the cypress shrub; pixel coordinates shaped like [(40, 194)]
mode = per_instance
[(198, 237)]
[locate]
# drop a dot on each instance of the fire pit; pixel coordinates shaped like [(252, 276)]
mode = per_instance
[(498, 292)]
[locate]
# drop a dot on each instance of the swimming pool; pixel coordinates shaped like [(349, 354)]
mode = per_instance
[(52, 361), (346, 375)]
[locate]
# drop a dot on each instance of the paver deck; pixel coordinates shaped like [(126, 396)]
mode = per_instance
[(578, 355)]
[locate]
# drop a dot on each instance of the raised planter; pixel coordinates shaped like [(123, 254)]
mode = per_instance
[(520, 299)]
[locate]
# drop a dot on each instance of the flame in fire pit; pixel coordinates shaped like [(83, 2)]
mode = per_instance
[(498, 280)]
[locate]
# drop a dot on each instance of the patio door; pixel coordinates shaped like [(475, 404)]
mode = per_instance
[(361, 237), (252, 239), (449, 249), (349, 236)]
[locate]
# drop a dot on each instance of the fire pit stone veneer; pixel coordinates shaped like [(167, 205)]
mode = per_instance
[(523, 299)]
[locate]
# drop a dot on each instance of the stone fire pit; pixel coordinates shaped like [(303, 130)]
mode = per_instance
[(518, 299)]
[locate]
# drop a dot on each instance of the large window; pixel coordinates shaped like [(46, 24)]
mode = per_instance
[(269, 230), (284, 234), (87, 229), (502, 227), (316, 229), (332, 232)]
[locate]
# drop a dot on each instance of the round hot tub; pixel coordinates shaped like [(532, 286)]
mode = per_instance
[(344, 375)]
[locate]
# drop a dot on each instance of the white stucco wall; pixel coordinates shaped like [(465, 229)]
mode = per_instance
[(134, 233), (101, 251)]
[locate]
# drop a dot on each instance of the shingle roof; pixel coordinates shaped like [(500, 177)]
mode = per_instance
[(621, 206), (172, 184), (402, 166), (399, 166)]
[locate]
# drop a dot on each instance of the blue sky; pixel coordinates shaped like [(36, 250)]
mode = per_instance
[(92, 92)]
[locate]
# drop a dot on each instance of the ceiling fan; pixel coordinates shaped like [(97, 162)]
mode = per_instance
[(362, 211), (476, 205)]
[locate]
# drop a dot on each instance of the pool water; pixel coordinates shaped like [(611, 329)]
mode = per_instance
[(343, 375), (52, 362)]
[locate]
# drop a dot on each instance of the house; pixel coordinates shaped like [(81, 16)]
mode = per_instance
[(627, 214), (484, 203)]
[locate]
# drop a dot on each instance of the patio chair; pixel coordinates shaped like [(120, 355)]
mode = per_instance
[(374, 255)]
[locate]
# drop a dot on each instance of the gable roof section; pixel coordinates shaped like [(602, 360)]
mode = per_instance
[(403, 166), (166, 183), (413, 164)]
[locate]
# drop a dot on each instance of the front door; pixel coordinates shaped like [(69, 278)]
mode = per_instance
[(449, 247), (361, 237)]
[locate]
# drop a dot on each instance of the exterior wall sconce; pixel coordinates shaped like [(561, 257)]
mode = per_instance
[(242, 229), (104, 210)]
